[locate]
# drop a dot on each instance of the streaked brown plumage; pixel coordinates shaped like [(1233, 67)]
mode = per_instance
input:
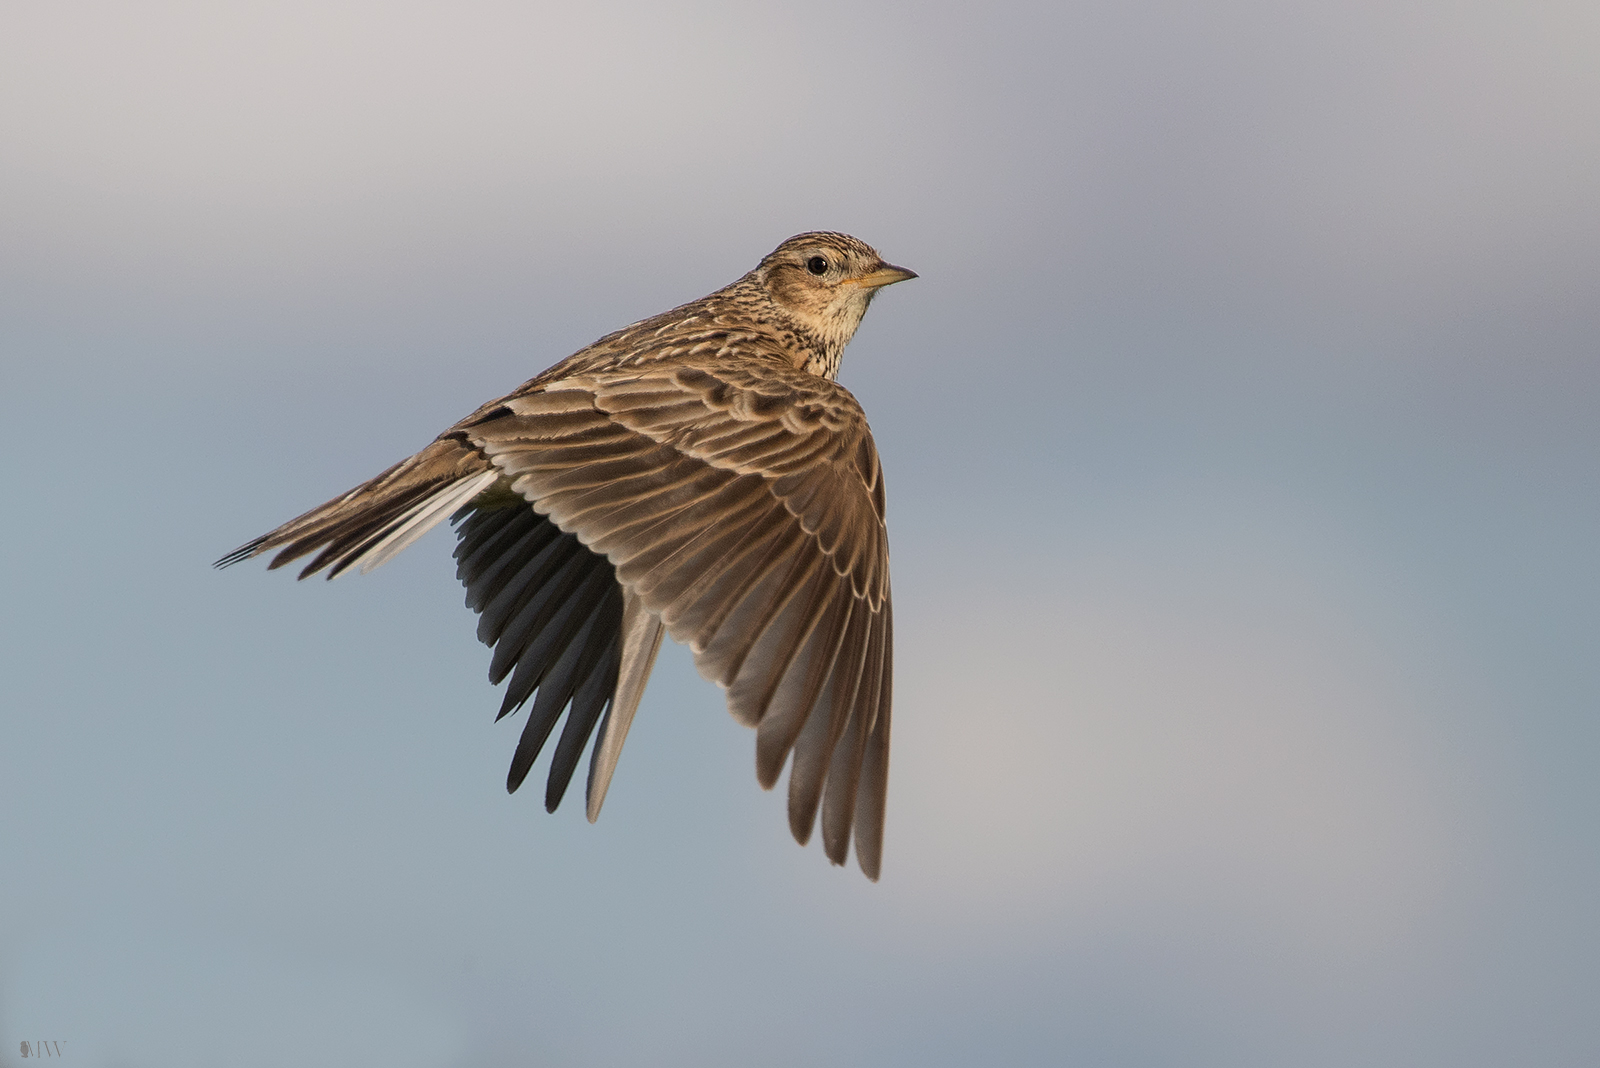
[(698, 473)]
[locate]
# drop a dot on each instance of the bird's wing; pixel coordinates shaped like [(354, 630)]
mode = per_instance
[(559, 624), (742, 505)]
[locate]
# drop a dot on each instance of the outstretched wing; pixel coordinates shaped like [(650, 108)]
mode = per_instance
[(743, 505), (738, 505)]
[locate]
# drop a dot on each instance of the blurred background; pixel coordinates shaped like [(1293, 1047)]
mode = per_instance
[(1243, 445)]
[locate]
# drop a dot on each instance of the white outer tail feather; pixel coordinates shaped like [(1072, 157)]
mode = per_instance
[(641, 641), (424, 516)]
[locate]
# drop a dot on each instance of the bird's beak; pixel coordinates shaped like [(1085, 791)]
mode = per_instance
[(886, 275)]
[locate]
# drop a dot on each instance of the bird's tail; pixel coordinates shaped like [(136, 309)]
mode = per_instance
[(366, 526)]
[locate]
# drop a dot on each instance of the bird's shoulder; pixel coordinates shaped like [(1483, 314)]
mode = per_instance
[(715, 381)]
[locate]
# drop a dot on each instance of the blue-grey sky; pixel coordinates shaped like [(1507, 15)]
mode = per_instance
[(1243, 445)]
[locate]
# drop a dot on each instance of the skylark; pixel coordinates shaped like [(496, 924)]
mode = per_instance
[(698, 474)]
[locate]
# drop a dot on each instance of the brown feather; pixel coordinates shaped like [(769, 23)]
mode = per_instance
[(698, 472)]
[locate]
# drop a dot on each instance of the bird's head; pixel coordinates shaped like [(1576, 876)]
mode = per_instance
[(824, 281)]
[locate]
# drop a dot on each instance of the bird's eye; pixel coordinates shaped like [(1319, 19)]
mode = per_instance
[(817, 265)]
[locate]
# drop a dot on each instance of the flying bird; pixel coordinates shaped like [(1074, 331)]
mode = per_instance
[(699, 474)]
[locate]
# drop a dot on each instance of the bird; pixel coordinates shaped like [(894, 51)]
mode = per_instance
[(699, 474)]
